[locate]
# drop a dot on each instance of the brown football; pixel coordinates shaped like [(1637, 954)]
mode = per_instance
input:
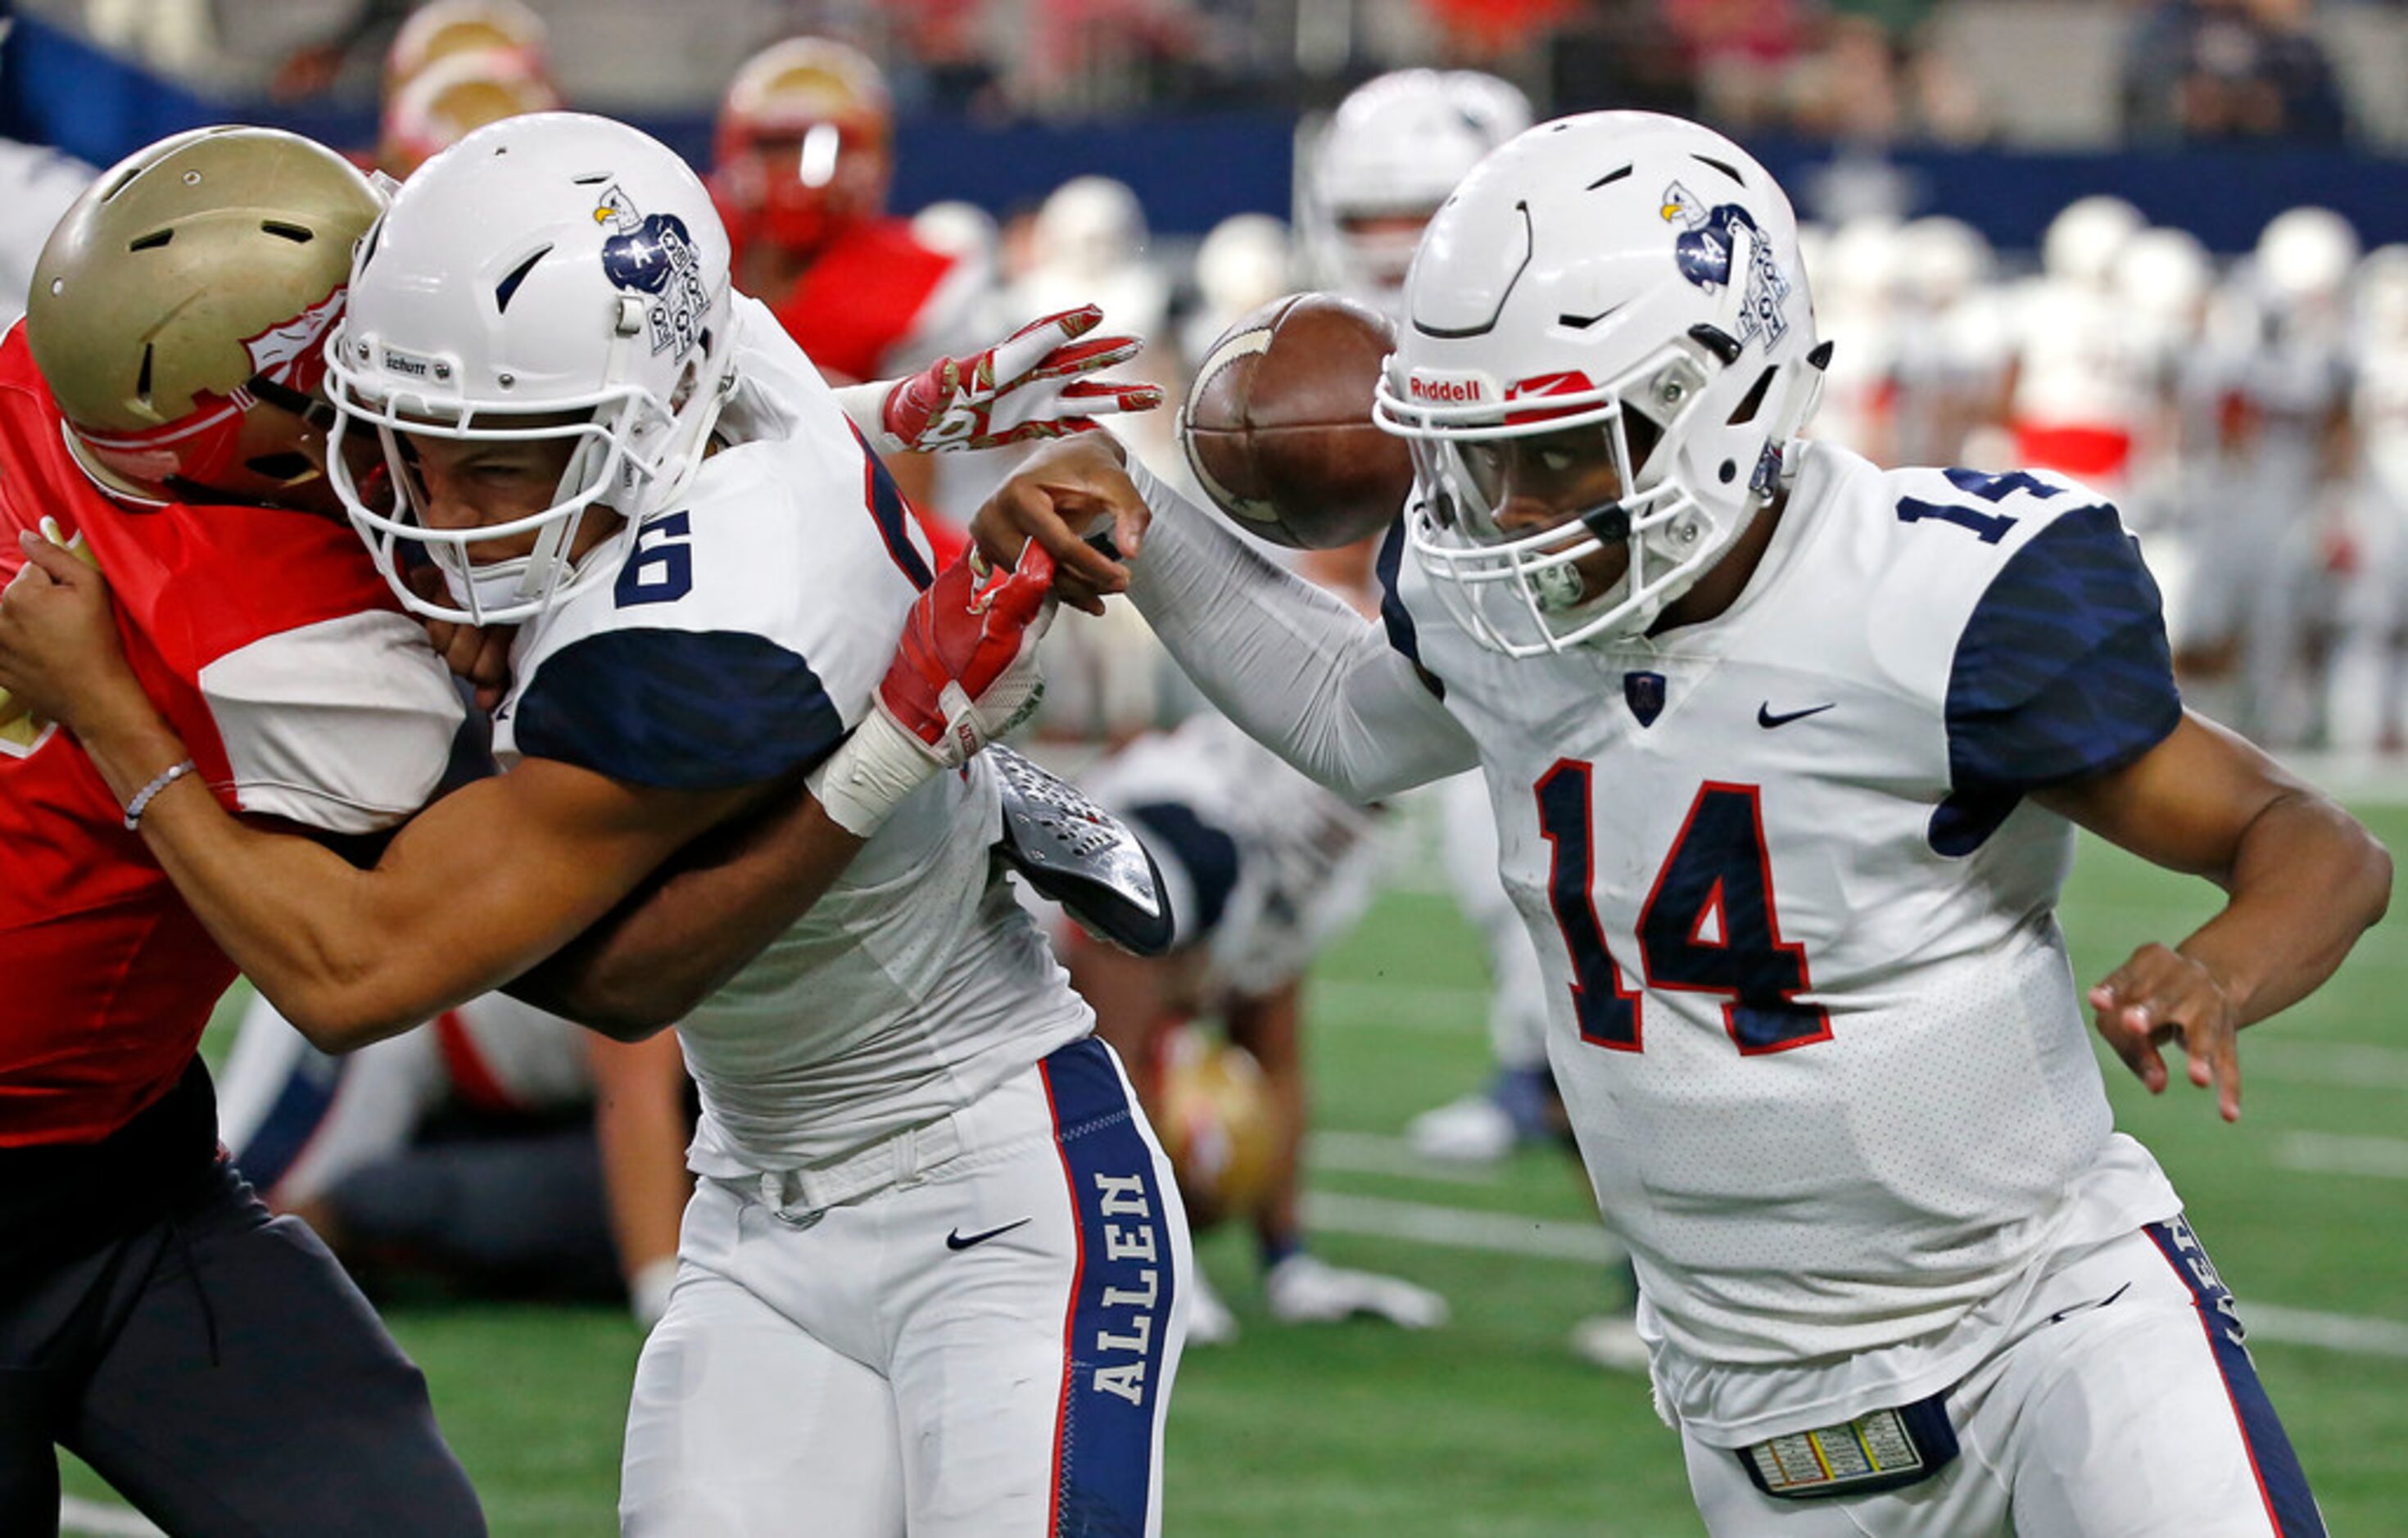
[(1278, 425)]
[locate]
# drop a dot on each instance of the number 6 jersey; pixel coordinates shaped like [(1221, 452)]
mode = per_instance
[(1811, 1009), (742, 638)]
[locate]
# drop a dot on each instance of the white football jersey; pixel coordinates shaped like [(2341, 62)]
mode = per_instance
[(1812, 1012), (744, 636), (1265, 867)]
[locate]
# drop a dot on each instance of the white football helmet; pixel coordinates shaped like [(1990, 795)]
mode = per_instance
[(2304, 257), (2082, 241), (1622, 270), (555, 276), (2380, 295), (1397, 146)]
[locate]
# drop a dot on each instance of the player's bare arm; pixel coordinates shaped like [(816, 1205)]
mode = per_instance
[(506, 872), (1293, 664), (472, 892), (695, 923), (2304, 880)]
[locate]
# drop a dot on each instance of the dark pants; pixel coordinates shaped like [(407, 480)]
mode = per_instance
[(212, 1363)]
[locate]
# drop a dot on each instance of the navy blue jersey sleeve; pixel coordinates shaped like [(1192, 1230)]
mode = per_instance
[(2062, 672), (679, 709)]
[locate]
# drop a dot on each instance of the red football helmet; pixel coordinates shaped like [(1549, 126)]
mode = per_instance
[(804, 144)]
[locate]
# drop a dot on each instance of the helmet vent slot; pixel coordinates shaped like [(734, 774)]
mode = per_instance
[(300, 234), (289, 466), (595, 180), (1609, 177), (1745, 411), (152, 241), (507, 289), (1724, 167), (142, 379)]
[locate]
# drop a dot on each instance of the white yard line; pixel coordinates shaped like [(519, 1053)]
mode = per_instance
[(1454, 1229), (81, 1518), (1498, 1233), (1373, 1154), (2323, 1153)]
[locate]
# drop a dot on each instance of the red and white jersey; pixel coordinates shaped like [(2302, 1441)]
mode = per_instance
[(876, 303), (272, 646), (1811, 1013)]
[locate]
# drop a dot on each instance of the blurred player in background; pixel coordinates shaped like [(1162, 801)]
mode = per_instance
[(213, 1364), (439, 106), (1787, 754), (543, 342), (501, 1149), (2280, 362), (2367, 690), (1394, 150), (1264, 869)]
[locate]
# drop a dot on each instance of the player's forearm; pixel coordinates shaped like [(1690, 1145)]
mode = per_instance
[(278, 905), (2306, 880), (711, 911), (1294, 665), (640, 1130)]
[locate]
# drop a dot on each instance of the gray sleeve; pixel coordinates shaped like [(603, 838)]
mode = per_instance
[(1295, 666)]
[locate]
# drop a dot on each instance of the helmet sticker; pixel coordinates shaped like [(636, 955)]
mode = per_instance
[(1703, 251), (298, 339), (654, 255)]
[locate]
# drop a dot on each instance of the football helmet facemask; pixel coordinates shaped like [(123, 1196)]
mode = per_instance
[(1608, 344), (179, 310), (549, 277)]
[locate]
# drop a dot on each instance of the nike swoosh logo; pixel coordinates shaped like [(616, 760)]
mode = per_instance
[(1764, 718), (2064, 1314), (957, 1240)]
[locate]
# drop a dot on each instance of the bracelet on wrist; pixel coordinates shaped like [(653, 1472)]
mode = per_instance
[(143, 797)]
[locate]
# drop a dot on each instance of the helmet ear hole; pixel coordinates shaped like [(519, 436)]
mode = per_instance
[(1639, 435)]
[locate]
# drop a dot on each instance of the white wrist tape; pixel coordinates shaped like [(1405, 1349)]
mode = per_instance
[(868, 777)]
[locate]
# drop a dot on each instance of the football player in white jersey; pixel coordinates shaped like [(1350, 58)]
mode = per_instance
[(932, 1274), (1786, 754)]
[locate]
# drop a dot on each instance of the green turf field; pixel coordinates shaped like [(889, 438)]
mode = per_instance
[(1489, 1428)]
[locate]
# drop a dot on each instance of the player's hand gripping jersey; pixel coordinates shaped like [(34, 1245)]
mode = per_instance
[(747, 632), (274, 649), (1813, 1017)]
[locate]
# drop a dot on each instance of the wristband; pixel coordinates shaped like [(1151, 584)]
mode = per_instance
[(870, 775), (648, 1290), (143, 797)]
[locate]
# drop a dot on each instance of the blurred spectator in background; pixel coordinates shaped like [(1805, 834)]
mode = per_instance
[(1620, 53), (2203, 70)]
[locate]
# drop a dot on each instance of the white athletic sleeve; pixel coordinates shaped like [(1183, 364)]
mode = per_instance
[(1295, 666), (343, 725)]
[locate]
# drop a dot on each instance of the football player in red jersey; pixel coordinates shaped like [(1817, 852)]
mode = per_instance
[(801, 163), (214, 1364)]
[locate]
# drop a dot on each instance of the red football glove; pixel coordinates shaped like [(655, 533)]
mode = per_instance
[(1035, 383), (964, 673)]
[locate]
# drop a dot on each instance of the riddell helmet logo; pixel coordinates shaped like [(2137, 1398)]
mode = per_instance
[(1449, 389)]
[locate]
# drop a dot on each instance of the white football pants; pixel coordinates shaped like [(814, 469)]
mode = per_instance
[(2121, 1404), (979, 1348)]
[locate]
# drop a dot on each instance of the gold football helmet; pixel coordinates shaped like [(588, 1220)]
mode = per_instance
[(181, 309)]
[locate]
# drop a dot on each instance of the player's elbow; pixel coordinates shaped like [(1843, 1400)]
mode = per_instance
[(335, 1022), (2374, 877)]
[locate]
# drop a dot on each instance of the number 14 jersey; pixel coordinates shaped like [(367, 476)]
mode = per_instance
[(1811, 1010)]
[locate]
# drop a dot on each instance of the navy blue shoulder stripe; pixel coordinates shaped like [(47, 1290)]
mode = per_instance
[(886, 504), (2062, 672), (679, 709), (1399, 620)]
